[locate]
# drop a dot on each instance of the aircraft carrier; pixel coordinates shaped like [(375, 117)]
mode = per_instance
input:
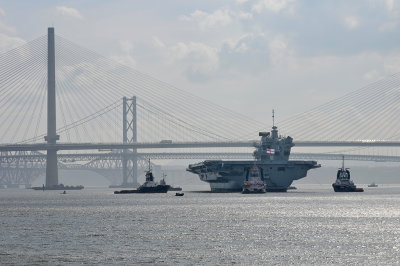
[(271, 156)]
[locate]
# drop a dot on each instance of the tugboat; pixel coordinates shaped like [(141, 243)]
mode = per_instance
[(343, 182), (149, 186), (253, 182)]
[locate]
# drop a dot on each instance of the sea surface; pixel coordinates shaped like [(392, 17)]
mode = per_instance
[(310, 225)]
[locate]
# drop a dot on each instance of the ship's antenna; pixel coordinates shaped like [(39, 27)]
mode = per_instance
[(273, 117), (342, 161)]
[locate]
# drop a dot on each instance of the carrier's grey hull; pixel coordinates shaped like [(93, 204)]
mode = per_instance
[(227, 176)]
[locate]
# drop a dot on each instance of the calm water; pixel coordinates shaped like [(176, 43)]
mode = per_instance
[(311, 225)]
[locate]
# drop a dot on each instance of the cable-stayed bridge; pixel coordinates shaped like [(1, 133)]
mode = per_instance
[(88, 89)]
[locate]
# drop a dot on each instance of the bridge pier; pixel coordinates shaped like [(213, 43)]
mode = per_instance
[(129, 158), (52, 137)]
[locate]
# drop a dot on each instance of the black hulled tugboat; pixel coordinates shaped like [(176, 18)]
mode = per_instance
[(149, 186), (343, 182)]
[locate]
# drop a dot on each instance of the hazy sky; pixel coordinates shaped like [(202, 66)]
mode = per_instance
[(247, 55)]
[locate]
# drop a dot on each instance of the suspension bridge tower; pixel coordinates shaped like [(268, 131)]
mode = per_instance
[(52, 137), (129, 159)]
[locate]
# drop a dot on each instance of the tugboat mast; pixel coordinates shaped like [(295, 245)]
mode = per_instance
[(149, 165), (343, 162)]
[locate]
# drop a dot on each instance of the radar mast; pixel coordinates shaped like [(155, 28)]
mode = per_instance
[(273, 117), (274, 131)]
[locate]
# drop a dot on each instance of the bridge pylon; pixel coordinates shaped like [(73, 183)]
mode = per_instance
[(129, 159), (52, 137)]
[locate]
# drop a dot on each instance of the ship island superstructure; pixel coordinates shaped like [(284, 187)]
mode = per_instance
[(271, 156)]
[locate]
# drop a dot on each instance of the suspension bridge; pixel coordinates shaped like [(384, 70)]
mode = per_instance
[(88, 93)]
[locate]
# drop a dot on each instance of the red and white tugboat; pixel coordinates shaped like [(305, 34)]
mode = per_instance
[(253, 182)]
